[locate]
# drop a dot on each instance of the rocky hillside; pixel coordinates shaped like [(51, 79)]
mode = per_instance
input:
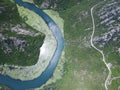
[(59, 5), (18, 41), (107, 34), (109, 22)]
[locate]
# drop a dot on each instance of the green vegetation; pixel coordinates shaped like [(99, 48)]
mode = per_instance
[(9, 18), (115, 85), (9, 13), (111, 47), (58, 5), (3, 87), (29, 56), (38, 2), (84, 67)]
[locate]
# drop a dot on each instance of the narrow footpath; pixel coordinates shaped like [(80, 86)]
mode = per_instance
[(108, 79)]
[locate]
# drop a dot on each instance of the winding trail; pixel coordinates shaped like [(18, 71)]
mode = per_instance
[(108, 79)]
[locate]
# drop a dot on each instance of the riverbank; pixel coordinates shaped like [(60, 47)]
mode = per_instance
[(84, 67), (31, 72), (49, 70)]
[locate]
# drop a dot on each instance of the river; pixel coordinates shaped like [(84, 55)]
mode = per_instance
[(48, 72)]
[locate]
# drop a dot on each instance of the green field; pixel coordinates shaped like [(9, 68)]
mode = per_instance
[(84, 67), (110, 49)]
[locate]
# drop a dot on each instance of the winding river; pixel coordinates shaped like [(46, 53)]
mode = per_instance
[(48, 72)]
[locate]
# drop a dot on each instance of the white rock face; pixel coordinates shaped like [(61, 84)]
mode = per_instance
[(119, 50)]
